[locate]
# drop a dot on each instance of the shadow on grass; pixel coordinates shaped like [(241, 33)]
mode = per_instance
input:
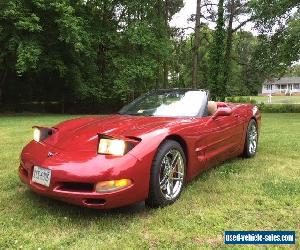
[(63, 209), (56, 208), (223, 169)]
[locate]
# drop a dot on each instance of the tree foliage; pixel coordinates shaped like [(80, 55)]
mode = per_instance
[(216, 69), (104, 51), (83, 50)]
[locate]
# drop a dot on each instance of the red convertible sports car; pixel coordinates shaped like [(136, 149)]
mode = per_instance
[(148, 151)]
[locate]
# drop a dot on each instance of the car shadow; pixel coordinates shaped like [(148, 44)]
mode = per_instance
[(224, 168), (63, 209)]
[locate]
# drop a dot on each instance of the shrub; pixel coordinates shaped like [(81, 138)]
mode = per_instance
[(279, 108), (241, 99), (266, 108)]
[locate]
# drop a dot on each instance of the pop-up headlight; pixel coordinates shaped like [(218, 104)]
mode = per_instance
[(111, 147), (117, 147), (40, 134)]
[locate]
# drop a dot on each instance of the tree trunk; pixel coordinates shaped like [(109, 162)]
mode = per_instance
[(157, 78), (196, 45), (228, 48), (2, 82), (216, 64), (166, 74), (166, 67)]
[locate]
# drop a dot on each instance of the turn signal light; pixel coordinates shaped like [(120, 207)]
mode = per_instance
[(110, 186)]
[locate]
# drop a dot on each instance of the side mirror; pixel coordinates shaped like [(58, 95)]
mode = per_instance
[(222, 112)]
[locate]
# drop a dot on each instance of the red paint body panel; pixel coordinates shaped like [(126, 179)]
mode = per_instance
[(74, 146)]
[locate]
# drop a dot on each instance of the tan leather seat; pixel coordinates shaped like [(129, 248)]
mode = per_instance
[(211, 107)]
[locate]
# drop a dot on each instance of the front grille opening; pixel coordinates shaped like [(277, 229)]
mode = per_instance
[(94, 201), (76, 187)]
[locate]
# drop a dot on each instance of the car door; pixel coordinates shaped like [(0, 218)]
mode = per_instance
[(223, 138)]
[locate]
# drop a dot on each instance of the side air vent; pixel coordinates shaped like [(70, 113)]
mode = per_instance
[(94, 202), (76, 187)]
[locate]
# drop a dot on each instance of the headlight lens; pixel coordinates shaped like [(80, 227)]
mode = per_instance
[(109, 186), (36, 134), (111, 146)]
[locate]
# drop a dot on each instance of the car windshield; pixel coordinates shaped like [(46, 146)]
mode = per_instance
[(168, 103)]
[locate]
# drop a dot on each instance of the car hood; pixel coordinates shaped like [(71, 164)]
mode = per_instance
[(82, 133)]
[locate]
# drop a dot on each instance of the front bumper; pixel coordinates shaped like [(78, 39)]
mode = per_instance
[(84, 174)]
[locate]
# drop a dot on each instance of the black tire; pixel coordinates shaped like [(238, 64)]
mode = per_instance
[(159, 170), (249, 150)]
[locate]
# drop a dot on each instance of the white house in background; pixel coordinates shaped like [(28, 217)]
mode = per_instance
[(283, 86)]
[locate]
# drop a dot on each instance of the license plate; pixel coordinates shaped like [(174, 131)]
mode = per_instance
[(41, 176)]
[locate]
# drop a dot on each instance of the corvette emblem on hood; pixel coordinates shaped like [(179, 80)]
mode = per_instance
[(50, 154)]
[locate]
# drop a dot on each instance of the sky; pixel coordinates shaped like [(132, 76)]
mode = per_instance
[(180, 19)]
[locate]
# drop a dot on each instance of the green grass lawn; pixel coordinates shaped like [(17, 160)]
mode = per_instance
[(262, 193), (278, 99)]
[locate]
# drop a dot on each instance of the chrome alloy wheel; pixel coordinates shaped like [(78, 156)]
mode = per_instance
[(252, 139), (172, 173)]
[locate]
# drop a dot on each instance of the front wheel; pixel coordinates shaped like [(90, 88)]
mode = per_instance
[(167, 175), (251, 140)]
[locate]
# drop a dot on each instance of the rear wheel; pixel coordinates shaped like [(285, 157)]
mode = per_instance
[(167, 175), (251, 141)]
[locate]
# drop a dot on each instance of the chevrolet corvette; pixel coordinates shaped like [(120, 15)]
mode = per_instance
[(147, 152)]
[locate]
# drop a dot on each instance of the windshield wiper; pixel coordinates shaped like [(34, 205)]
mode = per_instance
[(135, 114)]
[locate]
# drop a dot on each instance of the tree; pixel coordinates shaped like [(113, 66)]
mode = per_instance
[(196, 45), (293, 70), (234, 9), (216, 70), (83, 51), (184, 50), (267, 16), (279, 28), (43, 43)]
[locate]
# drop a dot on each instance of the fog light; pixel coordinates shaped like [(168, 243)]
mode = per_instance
[(110, 186)]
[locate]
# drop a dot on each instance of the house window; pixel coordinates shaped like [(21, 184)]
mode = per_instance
[(269, 86), (296, 86)]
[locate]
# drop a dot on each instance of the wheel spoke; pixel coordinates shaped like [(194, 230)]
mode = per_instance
[(167, 163), (175, 160), (250, 147), (170, 188), (163, 183)]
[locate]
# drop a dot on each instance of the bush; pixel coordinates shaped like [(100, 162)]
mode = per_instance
[(266, 108), (241, 99), (111, 106), (279, 108)]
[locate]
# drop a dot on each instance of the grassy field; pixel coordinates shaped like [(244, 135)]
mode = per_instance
[(278, 99), (253, 194)]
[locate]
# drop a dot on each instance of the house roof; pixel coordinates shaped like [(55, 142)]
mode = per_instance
[(284, 80)]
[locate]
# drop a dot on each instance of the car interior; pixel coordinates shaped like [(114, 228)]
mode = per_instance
[(211, 107)]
